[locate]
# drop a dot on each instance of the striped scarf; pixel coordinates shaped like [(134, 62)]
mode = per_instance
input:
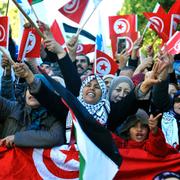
[(101, 109)]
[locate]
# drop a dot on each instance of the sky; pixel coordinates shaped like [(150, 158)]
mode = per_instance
[(47, 11), (105, 9)]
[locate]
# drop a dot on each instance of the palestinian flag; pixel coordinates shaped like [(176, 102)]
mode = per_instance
[(71, 29), (99, 156), (31, 2)]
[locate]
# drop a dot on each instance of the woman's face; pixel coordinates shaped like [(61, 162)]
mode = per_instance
[(92, 92), (177, 105), (138, 132), (172, 90), (122, 90), (31, 101), (108, 82)]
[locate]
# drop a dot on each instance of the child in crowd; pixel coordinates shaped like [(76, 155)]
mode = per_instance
[(141, 131)]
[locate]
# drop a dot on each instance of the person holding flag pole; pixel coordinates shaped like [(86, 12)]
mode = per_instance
[(29, 19)]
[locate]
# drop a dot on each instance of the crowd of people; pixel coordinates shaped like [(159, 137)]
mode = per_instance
[(140, 104)]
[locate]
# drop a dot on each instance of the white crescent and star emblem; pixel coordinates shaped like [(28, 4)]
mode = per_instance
[(177, 46), (158, 23), (129, 44), (31, 42), (59, 163), (2, 33), (79, 48), (72, 6), (103, 66), (121, 26)]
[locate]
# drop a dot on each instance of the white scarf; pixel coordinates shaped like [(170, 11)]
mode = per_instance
[(100, 110), (170, 129)]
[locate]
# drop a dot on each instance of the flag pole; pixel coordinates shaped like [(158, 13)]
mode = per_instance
[(154, 40), (7, 8), (29, 19), (145, 29), (81, 28), (34, 12)]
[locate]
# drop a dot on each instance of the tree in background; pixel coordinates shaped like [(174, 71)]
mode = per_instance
[(13, 14), (140, 6)]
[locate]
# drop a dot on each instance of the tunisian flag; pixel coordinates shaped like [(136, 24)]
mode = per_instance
[(160, 22), (85, 48), (130, 38), (141, 165), (74, 10), (122, 24), (30, 44), (62, 163), (104, 64), (57, 34), (173, 45), (174, 12), (4, 31)]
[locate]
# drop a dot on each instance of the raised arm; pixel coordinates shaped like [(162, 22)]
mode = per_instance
[(68, 69)]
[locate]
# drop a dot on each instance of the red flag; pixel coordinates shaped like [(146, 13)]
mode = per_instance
[(122, 24), (174, 12), (104, 64), (74, 10), (160, 22), (173, 45), (85, 48), (175, 8), (4, 31), (30, 44), (129, 37), (60, 162), (139, 164), (57, 34)]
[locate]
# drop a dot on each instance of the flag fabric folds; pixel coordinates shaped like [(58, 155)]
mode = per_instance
[(174, 12), (74, 10), (104, 64), (4, 31), (122, 24), (161, 23), (57, 34), (123, 27), (71, 29), (85, 48), (139, 164), (96, 135), (173, 45), (30, 44), (62, 162), (165, 24)]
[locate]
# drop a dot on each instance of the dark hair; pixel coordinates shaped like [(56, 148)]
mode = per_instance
[(87, 58), (140, 116)]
